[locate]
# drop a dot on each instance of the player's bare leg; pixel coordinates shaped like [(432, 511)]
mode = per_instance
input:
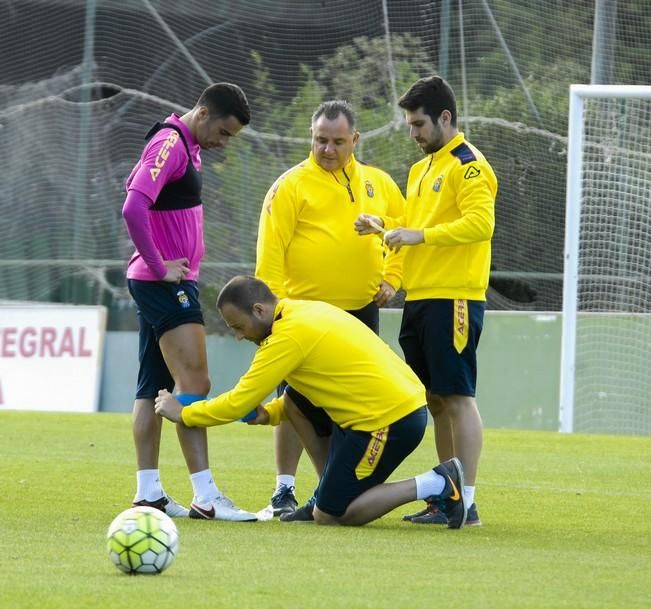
[(184, 350), (457, 433), (465, 432), (146, 426), (372, 504), (444, 445), (316, 446), (287, 450), (443, 436)]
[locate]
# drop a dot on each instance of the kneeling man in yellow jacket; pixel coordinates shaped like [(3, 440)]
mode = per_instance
[(376, 402)]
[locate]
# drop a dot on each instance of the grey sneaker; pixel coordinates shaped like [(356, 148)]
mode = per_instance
[(220, 508), (167, 505), (284, 500)]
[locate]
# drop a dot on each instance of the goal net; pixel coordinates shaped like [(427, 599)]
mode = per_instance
[(605, 380), (81, 82)]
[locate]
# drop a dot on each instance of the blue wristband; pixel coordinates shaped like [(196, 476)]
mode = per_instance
[(249, 417), (187, 398)]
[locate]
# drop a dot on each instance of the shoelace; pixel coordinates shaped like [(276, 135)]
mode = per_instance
[(224, 500), (282, 492)]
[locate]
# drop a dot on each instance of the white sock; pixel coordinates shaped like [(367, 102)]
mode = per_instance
[(428, 484), (469, 495), (284, 480), (204, 487), (148, 486)]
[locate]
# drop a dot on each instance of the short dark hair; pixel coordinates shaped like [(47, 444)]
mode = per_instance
[(226, 99), (243, 291), (333, 108), (433, 95)]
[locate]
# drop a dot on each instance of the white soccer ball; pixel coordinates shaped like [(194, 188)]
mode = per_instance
[(142, 540)]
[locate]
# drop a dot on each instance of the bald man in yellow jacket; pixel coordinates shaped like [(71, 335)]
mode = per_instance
[(376, 402)]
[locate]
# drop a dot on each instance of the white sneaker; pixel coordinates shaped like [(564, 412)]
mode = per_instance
[(220, 508), (166, 504)]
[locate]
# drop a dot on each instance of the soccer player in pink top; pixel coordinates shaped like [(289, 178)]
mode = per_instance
[(164, 216)]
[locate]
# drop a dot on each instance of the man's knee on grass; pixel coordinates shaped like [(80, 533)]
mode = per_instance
[(326, 519)]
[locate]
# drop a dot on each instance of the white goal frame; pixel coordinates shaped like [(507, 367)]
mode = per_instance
[(578, 93)]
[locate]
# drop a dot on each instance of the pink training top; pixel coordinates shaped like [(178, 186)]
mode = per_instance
[(165, 234)]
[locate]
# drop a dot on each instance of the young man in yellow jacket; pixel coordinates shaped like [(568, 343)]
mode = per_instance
[(446, 234), (375, 401), (308, 249)]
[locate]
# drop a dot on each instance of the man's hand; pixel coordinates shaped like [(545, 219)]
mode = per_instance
[(262, 417), (166, 405), (176, 270), (398, 237), (384, 294), (366, 224)]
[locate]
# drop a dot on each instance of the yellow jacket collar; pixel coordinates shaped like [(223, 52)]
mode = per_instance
[(278, 311), (453, 143), (349, 168)]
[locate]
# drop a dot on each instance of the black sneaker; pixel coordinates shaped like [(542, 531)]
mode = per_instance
[(302, 514), (284, 500), (430, 515), (451, 501), (473, 517)]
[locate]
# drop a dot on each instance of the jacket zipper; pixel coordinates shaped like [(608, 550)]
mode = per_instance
[(348, 188), (431, 158)]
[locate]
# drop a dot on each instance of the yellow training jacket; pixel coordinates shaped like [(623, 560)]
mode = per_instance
[(451, 195), (329, 357), (307, 247)]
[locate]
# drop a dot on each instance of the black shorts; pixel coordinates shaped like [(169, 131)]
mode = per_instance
[(161, 306), (439, 338), (360, 460), (368, 315), (322, 423)]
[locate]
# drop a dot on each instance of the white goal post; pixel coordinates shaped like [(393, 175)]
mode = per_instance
[(607, 267)]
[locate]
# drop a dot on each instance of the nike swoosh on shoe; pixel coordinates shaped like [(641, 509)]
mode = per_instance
[(207, 514)]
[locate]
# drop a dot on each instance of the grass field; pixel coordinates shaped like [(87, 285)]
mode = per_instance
[(567, 523)]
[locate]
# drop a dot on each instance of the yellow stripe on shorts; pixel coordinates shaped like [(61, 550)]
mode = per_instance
[(374, 450), (461, 324)]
